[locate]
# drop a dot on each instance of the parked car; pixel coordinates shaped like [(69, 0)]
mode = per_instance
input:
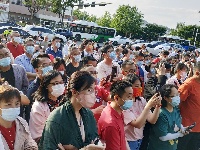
[(120, 40), (43, 31), (178, 46), (23, 33), (65, 32)]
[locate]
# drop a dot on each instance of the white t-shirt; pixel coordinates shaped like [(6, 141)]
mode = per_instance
[(106, 70)]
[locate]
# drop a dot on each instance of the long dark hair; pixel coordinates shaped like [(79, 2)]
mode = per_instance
[(80, 80), (42, 93), (165, 91)]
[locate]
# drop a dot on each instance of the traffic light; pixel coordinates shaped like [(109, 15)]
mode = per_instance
[(93, 4)]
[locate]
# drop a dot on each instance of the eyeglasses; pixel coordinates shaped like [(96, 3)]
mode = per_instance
[(56, 83), (130, 71), (46, 65)]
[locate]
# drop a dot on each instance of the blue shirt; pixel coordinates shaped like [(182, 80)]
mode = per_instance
[(58, 53), (25, 62)]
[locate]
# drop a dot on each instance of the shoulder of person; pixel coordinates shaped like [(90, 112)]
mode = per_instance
[(22, 122)]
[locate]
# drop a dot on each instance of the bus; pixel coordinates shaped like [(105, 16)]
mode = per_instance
[(90, 30)]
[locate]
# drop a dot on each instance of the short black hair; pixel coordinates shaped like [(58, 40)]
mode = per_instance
[(55, 38), (106, 48), (86, 42), (125, 51), (165, 91), (88, 58), (127, 62), (118, 88), (57, 62), (7, 93), (165, 52), (36, 61)]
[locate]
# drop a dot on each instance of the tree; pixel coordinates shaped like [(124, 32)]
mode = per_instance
[(105, 20), (153, 31), (60, 6), (34, 6), (92, 18), (127, 20)]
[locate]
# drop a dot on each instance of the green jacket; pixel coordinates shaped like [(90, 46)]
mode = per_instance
[(62, 127)]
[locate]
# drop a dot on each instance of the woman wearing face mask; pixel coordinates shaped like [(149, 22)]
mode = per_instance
[(46, 98), (102, 95), (135, 118), (180, 75), (104, 68), (75, 61), (165, 133), (14, 131), (59, 65), (73, 124)]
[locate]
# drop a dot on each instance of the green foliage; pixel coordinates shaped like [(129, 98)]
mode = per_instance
[(153, 31), (188, 32), (81, 15), (127, 20), (105, 20)]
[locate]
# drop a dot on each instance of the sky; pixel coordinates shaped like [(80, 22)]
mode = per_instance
[(162, 12)]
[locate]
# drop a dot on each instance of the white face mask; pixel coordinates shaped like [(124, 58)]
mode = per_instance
[(17, 39), (168, 75), (10, 114), (183, 75), (62, 72), (58, 44), (77, 58), (58, 90), (87, 101)]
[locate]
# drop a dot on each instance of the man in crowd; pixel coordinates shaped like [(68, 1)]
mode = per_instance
[(25, 59), (42, 64), (45, 43), (88, 48), (14, 46), (111, 122), (55, 48), (190, 108)]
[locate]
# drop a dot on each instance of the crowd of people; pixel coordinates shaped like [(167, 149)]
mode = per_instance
[(66, 96)]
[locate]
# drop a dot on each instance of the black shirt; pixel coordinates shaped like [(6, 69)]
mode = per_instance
[(70, 69), (9, 76)]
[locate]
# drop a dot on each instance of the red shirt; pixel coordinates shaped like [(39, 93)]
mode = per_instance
[(102, 95), (111, 129), (15, 50), (9, 135), (190, 103)]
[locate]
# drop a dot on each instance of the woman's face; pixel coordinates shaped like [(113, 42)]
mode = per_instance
[(136, 84), (61, 68), (54, 81), (174, 92)]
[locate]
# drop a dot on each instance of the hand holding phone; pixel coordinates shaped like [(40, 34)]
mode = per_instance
[(191, 127), (113, 73)]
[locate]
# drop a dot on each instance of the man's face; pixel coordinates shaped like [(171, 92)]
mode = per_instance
[(55, 41), (14, 36), (129, 69), (44, 62), (128, 95), (89, 47), (93, 63)]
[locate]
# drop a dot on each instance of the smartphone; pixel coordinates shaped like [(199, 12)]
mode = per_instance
[(192, 126), (113, 73)]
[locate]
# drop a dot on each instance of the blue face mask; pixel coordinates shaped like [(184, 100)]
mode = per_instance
[(175, 101), (30, 49), (127, 104), (153, 71), (140, 63), (46, 70), (131, 57), (113, 55), (5, 61)]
